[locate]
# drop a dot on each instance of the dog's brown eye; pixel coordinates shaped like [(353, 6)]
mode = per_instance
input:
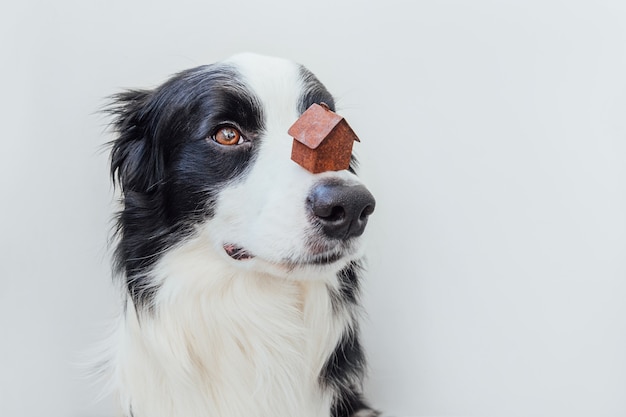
[(228, 135)]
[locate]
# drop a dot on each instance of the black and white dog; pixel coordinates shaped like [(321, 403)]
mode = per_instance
[(241, 269)]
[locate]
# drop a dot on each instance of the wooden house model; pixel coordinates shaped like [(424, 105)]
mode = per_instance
[(322, 140)]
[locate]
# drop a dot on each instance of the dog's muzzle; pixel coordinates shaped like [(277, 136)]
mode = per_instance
[(339, 213)]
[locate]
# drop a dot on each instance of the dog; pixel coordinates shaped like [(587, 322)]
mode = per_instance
[(240, 269)]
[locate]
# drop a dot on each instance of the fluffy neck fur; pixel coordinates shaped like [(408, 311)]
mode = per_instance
[(223, 342)]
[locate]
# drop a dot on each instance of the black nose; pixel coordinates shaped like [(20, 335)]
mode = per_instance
[(341, 210)]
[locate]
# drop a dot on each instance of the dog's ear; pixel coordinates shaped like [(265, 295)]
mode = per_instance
[(136, 163)]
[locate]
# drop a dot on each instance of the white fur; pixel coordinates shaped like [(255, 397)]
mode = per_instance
[(265, 213), (240, 338)]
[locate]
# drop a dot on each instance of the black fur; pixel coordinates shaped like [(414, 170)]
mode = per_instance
[(168, 168), (345, 368), (349, 402), (344, 372), (314, 92), (349, 286)]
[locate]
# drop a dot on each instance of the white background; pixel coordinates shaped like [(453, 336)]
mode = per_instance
[(493, 136)]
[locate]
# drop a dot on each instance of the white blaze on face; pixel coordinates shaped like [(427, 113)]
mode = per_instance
[(265, 212)]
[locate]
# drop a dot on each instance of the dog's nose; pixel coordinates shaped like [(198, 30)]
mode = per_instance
[(341, 210)]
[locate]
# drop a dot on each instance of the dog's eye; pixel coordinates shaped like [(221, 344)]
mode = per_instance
[(228, 135)]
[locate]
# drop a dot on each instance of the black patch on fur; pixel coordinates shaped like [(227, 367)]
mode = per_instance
[(348, 291), (313, 92), (346, 365), (349, 402), (343, 374), (345, 368), (349, 285), (168, 168)]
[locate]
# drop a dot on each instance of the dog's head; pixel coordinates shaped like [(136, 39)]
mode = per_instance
[(206, 156)]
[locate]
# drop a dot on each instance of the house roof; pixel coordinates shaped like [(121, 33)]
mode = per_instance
[(316, 124)]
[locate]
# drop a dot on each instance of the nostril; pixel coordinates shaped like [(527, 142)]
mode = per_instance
[(325, 209), (369, 209)]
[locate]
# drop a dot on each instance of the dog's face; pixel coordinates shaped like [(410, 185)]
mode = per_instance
[(207, 156)]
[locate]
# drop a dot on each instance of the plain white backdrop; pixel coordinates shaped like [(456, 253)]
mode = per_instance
[(493, 136)]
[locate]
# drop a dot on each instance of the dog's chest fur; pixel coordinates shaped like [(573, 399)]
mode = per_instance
[(223, 343)]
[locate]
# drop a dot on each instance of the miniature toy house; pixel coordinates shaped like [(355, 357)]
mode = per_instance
[(322, 140)]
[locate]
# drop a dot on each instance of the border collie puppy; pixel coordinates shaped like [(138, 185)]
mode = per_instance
[(240, 268)]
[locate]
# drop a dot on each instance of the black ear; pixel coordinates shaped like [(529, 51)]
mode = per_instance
[(136, 163)]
